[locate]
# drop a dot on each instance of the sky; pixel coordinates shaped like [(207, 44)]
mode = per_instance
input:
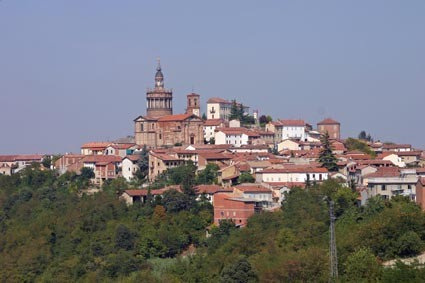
[(77, 71)]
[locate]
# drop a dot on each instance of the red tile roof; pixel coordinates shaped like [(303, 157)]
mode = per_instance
[(217, 100), (101, 158), (96, 145), (248, 188), (385, 172), (328, 121), (296, 169), (177, 117), (211, 189), (213, 122)]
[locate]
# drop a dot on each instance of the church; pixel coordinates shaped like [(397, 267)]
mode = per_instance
[(159, 127)]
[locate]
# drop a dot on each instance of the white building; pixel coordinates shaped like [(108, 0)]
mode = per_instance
[(210, 126), (289, 129), (292, 174), (219, 108), (129, 166), (234, 136)]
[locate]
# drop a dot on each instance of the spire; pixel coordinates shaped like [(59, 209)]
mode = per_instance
[(159, 77)]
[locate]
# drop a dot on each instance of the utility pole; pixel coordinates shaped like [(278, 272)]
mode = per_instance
[(332, 245)]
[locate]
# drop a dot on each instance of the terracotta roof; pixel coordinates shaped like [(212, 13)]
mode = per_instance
[(164, 156), (122, 145), (394, 146), (295, 169), (248, 188), (177, 117), (211, 189), (214, 155), (101, 158), (384, 172), (328, 121), (217, 100), (95, 145), (213, 122), (292, 122), (133, 158)]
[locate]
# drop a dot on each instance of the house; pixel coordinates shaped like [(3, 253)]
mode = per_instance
[(129, 166), (218, 158), (391, 181), (231, 207), (288, 129), (396, 147), (258, 192), (292, 173), (120, 149), (233, 136), (160, 162), (332, 127), (228, 176), (210, 126), (208, 191), (131, 197), (92, 148), (104, 166), (67, 160), (394, 158), (288, 144), (219, 108)]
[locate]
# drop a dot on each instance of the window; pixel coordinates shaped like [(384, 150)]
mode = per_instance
[(160, 136), (383, 188), (142, 128)]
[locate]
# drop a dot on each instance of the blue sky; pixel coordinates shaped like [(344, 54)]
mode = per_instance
[(77, 71)]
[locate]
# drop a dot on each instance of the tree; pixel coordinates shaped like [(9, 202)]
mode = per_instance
[(234, 111), (212, 140), (208, 175), (124, 238), (364, 136), (204, 116), (238, 272), (47, 161), (86, 173), (361, 266), (360, 145), (245, 177), (143, 164), (327, 158)]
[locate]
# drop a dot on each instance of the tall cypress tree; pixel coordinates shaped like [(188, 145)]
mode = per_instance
[(327, 158)]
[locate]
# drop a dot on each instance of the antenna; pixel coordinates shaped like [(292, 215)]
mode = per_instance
[(332, 245)]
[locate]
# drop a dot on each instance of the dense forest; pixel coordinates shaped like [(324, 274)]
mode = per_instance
[(51, 232)]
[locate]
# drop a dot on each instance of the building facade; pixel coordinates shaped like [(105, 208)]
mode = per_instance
[(331, 126), (159, 127)]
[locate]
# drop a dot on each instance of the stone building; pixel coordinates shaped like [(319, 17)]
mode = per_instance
[(159, 127), (331, 126)]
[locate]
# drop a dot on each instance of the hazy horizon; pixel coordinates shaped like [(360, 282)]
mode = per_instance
[(74, 72)]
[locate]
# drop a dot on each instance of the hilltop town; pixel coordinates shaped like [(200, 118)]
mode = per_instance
[(252, 160)]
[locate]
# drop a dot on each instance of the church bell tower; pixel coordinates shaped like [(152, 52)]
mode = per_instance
[(159, 101), (193, 104)]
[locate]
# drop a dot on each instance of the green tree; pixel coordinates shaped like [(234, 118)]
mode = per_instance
[(86, 173), (326, 157), (361, 266), (124, 238), (238, 272), (208, 175), (143, 164), (245, 177), (47, 161)]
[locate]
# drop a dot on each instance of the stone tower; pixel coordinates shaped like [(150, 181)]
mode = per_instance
[(159, 101), (193, 104)]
